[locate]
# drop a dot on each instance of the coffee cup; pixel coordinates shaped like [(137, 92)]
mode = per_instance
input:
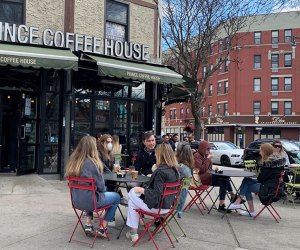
[(131, 168), (116, 168), (134, 174)]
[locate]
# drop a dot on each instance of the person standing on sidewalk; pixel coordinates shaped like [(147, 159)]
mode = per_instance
[(85, 163)]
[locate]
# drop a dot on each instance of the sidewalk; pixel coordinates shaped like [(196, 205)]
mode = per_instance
[(37, 214)]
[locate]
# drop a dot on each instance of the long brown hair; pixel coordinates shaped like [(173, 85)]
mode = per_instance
[(267, 150), (86, 149), (165, 155), (102, 147), (184, 154)]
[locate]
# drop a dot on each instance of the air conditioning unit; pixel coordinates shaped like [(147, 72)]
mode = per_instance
[(274, 93)]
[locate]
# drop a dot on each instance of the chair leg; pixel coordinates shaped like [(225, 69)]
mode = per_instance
[(259, 213), (275, 211)]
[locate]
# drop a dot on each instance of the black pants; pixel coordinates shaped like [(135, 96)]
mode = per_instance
[(224, 184)]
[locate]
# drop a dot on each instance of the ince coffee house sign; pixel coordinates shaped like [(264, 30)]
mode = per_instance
[(31, 35)]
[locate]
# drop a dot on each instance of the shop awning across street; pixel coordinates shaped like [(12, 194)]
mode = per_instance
[(37, 57), (128, 70)]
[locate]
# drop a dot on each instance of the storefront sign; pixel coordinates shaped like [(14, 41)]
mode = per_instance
[(143, 76), (74, 41), (17, 60)]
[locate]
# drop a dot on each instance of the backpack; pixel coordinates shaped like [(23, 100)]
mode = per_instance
[(267, 192)]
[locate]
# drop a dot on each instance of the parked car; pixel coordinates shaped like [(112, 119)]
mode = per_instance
[(226, 153), (252, 151)]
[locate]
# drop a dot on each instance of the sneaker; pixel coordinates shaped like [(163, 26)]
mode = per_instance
[(179, 215), (222, 209), (101, 232), (111, 223), (89, 229), (245, 213), (132, 236), (233, 206)]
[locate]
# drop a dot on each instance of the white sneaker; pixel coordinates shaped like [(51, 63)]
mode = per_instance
[(111, 223), (245, 213), (233, 206), (132, 236)]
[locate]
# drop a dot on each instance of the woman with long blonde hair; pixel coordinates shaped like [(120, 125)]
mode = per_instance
[(116, 149), (149, 198), (270, 170), (84, 162)]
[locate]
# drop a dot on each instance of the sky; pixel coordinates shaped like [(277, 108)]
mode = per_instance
[(291, 5)]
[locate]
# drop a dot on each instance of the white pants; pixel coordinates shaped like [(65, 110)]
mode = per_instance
[(135, 202)]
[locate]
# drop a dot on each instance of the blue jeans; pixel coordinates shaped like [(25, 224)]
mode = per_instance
[(109, 198), (182, 199), (248, 187)]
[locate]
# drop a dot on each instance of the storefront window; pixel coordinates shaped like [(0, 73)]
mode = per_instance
[(82, 119), (12, 11), (136, 124), (102, 112), (138, 92), (215, 134), (121, 92)]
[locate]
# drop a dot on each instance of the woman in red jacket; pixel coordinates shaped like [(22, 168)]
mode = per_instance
[(203, 163)]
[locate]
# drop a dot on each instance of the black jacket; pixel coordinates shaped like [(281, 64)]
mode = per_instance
[(269, 175), (144, 162), (153, 191)]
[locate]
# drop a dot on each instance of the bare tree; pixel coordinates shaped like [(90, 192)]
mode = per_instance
[(191, 27)]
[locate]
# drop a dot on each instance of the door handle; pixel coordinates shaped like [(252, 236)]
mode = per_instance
[(22, 134)]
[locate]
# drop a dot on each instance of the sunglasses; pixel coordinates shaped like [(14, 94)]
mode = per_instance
[(277, 146)]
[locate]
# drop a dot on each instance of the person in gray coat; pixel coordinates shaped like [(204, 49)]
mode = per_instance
[(84, 162)]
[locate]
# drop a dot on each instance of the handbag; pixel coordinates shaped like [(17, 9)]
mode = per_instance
[(196, 181)]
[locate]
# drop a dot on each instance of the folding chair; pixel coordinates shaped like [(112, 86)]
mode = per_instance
[(169, 189), (293, 187), (269, 204), (199, 191), (86, 184), (185, 184)]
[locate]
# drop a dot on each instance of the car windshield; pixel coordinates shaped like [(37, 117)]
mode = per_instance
[(289, 146), (225, 145)]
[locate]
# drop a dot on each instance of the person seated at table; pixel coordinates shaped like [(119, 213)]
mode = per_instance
[(116, 149), (149, 198), (146, 157), (271, 167), (105, 152), (85, 163), (278, 149), (203, 163), (185, 159)]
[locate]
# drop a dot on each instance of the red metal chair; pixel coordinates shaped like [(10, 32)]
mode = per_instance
[(269, 204), (169, 189), (199, 191), (86, 184)]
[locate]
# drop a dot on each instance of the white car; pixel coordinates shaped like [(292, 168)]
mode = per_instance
[(226, 153)]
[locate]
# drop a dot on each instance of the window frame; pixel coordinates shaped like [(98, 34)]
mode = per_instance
[(288, 62), (274, 110), (257, 40), (226, 86), (288, 110), (210, 90), (225, 108), (220, 45), (275, 61), (23, 11), (209, 110), (256, 107), (219, 89), (288, 84), (275, 87), (274, 39), (257, 63), (219, 108), (288, 38), (255, 84)]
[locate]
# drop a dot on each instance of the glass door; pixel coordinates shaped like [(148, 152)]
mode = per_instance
[(27, 134)]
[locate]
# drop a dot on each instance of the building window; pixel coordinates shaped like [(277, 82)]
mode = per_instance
[(275, 38), (175, 114), (220, 45), (256, 107), (12, 11), (225, 87), (116, 20), (218, 109), (204, 71), (256, 84), (288, 83), (274, 84), (171, 114), (220, 66), (209, 110), (226, 43), (225, 109), (210, 90), (274, 61), (181, 112), (211, 48), (257, 61), (287, 108), (274, 108), (257, 37), (226, 65), (288, 60), (288, 36), (219, 88), (211, 67), (187, 110)]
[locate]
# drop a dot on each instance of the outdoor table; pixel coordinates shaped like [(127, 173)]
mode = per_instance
[(112, 177), (230, 174)]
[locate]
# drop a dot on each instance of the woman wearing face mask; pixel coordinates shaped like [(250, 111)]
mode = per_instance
[(105, 151)]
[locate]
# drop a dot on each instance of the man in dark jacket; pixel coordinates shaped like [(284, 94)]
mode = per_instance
[(146, 156)]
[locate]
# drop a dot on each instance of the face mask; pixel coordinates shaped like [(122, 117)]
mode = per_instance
[(109, 146)]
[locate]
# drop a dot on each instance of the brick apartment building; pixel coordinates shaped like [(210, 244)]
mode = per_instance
[(257, 97)]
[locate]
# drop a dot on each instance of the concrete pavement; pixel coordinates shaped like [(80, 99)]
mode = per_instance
[(37, 214)]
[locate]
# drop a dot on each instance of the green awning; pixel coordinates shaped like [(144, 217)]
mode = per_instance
[(135, 71), (37, 57)]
